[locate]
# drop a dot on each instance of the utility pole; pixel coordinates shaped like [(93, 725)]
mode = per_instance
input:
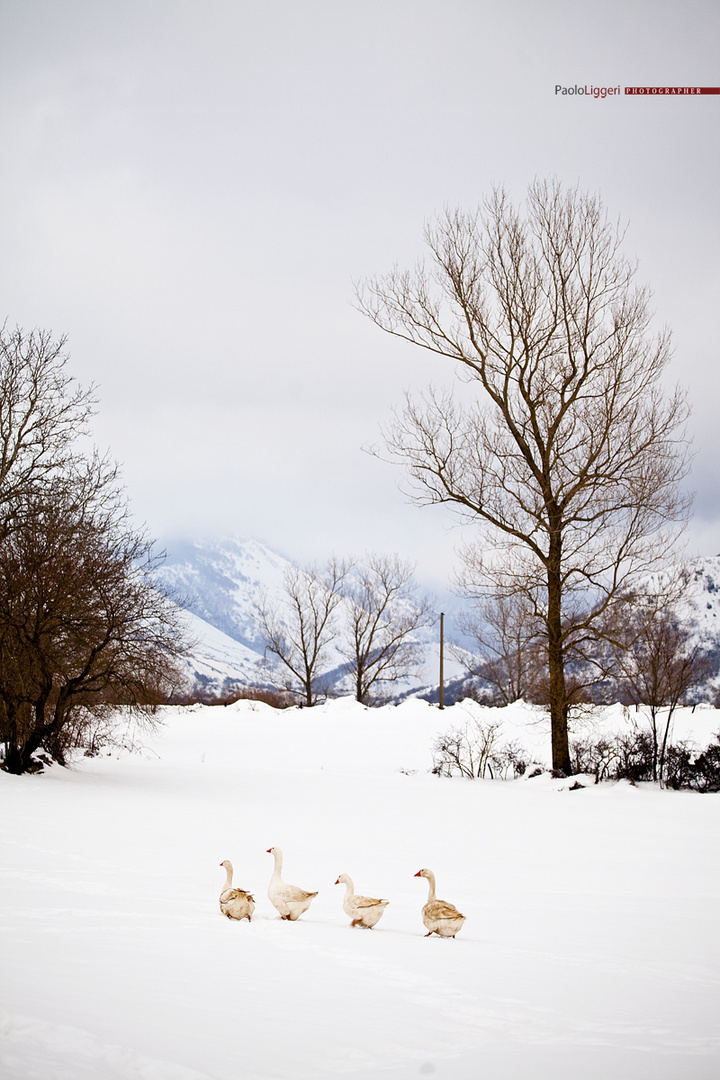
[(441, 690)]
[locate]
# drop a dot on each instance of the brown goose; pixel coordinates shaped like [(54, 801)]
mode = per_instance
[(363, 910), (235, 903), (439, 917)]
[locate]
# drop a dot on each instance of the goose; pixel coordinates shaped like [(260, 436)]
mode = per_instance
[(235, 903), (290, 901), (363, 910), (439, 917)]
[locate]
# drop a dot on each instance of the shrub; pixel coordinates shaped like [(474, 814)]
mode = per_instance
[(471, 751), (615, 757), (231, 692), (632, 757), (707, 767), (465, 751)]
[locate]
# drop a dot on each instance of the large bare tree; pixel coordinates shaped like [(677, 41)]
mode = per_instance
[(564, 446)]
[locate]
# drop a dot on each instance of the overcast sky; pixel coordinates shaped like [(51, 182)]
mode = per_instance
[(189, 189)]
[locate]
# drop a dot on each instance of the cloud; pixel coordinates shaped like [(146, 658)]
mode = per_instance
[(191, 189)]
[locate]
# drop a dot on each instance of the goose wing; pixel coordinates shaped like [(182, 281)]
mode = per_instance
[(441, 909), (235, 894), (366, 902), (293, 895)]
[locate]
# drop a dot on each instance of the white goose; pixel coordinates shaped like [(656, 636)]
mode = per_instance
[(363, 910), (235, 903), (289, 900), (439, 917)]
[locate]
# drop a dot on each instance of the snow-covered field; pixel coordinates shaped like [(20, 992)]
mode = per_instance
[(590, 950)]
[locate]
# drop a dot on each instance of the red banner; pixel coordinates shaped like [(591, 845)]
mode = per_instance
[(671, 91)]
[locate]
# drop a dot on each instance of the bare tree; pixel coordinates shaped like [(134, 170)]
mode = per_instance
[(300, 626), (83, 626), (383, 612), (658, 664), (564, 447), (506, 639)]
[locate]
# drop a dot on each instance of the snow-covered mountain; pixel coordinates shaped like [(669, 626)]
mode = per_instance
[(217, 664), (701, 597), (220, 583), (698, 610)]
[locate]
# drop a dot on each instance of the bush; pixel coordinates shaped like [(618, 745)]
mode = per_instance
[(471, 751), (701, 772), (615, 757), (631, 757), (707, 767), (232, 692)]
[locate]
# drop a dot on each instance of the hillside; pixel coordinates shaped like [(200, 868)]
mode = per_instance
[(221, 582)]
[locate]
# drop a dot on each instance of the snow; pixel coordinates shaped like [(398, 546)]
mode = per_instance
[(591, 945)]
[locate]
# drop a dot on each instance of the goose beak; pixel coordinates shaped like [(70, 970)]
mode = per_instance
[(269, 851), (338, 881), (419, 874)]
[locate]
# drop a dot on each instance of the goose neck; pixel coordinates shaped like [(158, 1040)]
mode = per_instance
[(278, 860)]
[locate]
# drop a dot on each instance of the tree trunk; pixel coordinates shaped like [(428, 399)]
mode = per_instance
[(19, 747), (663, 746), (655, 745), (308, 686), (556, 668), (18, 757), (11, 757), (13, 761)]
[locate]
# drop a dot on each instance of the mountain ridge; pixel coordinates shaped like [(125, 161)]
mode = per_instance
[(220, 582)]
